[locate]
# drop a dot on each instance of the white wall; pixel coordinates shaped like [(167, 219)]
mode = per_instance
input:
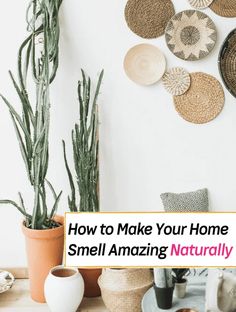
[(146, 148)]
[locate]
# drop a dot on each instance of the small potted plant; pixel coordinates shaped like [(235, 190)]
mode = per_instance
[(38, 54), (180, 282), (85, 145)]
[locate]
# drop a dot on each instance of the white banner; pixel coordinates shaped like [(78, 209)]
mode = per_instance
[(150, 239)]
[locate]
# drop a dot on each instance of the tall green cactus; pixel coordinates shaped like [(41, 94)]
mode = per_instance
[(85, 143), (39, 51)]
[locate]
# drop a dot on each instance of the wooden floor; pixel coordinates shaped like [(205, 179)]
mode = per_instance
[(18, 299)]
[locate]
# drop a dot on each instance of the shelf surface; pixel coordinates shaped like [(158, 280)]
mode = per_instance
[(18, 299)]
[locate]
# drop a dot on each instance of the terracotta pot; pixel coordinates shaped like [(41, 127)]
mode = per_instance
[(44, 250), (90, 277)]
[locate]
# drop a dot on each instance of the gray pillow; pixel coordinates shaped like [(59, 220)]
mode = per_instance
[(186, 202)]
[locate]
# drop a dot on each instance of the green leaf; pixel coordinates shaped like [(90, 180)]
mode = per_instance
[(27, 218), (39, 140), (11, 202), (52, 189), (27, 109), (25, 157), (19, 120), (73, 198), (55, 206), (43, 217)]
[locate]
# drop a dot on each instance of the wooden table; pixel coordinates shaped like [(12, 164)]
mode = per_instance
[(18, 299)]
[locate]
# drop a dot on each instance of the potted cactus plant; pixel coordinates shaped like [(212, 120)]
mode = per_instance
[(180, 282), (38, 54), (85, 144)]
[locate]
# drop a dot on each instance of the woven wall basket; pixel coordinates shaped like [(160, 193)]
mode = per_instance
[(227, 62), (191, 35), (203, 101), (176, 80), (148, 18), (225, 8), (144, 64), (123, 290), (200, 4)]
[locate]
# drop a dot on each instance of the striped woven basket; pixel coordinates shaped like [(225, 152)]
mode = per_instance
[(227, 62), (123, 290)]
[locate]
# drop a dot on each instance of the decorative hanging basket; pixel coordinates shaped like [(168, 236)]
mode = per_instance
[(225, 8), (191, 35), (200, 4), (148, 18), (176, 81), (227, 62), (203, 101), (145, 64)]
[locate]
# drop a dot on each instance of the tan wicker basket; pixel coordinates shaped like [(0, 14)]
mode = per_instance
[(148, 18), (123, 290), (225, 8), (203, 101), (227, 62)]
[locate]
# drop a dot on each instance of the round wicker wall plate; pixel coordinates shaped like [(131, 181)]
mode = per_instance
[(176, 81), (225, 8), (200, 4), (148, 18), (203, 101), (227, 62), (191, 35), (145, 64)]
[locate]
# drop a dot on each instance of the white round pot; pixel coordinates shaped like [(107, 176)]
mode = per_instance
[(64, 289), (180, 289)]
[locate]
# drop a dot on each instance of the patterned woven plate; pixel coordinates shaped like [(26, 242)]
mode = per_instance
[(227, 62), (148, 18), (191, 35), (203, 101), (225, 8), (200, 4), (145, 64), (176, 81)]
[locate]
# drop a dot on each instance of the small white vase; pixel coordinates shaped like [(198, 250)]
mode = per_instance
[(64, 289), (180, 289)]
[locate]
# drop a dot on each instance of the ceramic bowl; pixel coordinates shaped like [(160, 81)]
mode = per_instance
[(145, 64), (6, 281)]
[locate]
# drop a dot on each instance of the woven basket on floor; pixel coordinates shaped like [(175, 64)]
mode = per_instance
[(225, 8), (148, 18), (123, 290), (227, 62)]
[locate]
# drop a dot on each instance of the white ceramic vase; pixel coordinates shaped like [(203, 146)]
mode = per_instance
[(180, 289), (64, 289)]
